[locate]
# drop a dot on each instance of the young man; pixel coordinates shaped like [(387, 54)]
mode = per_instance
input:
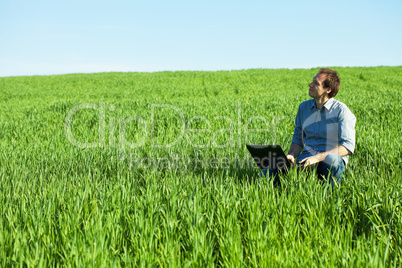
[(325, 130)]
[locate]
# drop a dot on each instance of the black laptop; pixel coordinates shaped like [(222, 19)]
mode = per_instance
[(269, 156)]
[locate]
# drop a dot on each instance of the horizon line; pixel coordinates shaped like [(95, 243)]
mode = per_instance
[(199, 70)]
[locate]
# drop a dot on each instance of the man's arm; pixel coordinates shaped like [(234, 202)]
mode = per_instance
[(341, 150), (297, 139), (294, 151)]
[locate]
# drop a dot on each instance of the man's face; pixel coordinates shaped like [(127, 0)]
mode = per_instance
[(316, 89)]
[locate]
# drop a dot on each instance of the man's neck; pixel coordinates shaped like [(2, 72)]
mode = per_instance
[(319, 102)]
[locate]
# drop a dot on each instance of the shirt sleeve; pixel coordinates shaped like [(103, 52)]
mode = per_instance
[(298, 132), (346, 129)]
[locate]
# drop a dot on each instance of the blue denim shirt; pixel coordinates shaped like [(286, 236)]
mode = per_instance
[(320, 130)]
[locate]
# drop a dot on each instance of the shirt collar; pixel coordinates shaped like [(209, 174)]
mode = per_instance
[(327, 105)]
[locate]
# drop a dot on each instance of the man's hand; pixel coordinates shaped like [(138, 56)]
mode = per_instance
[(291, 158), (309, 161)]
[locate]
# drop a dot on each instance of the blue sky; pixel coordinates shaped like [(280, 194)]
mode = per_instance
[(57, 37)]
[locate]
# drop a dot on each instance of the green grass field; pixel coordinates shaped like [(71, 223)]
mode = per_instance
[(151, 169)]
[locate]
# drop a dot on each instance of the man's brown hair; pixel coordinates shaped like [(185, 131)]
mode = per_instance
[(331, 81)]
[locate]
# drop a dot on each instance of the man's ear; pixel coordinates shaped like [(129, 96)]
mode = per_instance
[(328, 90)]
